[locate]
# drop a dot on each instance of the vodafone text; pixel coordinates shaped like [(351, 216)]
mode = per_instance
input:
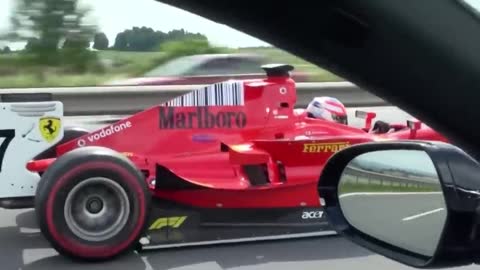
[(105, 132)]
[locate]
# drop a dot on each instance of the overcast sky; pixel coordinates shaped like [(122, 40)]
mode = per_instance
[(114, 16)]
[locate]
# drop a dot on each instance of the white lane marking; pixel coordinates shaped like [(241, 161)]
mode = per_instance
[(389, 193), (148, 266), (423, 214)]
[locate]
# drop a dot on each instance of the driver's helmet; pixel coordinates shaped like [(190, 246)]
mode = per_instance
[(327, 108)]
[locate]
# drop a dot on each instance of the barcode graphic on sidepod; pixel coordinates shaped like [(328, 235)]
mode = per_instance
[(219, 94)]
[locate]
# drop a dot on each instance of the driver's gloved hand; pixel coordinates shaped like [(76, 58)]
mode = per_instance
[(381, 127)]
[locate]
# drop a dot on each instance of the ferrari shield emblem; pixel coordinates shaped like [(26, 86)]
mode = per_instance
[(49, 128)]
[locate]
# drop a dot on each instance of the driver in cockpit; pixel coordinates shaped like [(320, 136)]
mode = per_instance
[(327, 108), (331, 109)]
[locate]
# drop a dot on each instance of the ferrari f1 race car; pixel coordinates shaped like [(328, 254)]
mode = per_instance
[(233, 161)]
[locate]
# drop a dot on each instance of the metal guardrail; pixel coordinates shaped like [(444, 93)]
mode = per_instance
[(386, 180), (124, 100)]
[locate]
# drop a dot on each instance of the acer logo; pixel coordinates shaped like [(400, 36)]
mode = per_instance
[(200, 118), (312, 214)]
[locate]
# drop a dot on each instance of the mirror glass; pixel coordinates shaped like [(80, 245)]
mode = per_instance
[(395, 196)]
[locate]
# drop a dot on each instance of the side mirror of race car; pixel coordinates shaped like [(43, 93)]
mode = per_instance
[(368, 116), (411, 201)]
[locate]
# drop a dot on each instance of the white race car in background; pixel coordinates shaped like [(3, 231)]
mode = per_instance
[(26, 130)]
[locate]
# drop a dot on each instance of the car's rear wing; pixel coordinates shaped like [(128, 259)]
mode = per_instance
[(368, 116), (414, 125)]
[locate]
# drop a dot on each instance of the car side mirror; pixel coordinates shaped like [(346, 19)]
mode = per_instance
[(412, 201)]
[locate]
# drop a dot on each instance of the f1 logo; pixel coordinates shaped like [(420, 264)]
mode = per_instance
[(173, 222), (312, 214)]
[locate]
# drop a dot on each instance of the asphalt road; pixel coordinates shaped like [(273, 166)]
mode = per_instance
[(414, 221), (23, 247)]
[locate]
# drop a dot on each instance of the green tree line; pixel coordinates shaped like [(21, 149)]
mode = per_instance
[(138, 39), (145, 39), (48, 25), (58, 34)]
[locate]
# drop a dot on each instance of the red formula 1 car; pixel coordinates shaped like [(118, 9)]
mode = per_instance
[(233, 161)]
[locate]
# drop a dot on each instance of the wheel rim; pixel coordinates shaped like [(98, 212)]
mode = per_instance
[(96, 209)]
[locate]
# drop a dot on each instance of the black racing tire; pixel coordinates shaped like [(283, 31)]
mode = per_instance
[(92, 204), (69, 133)]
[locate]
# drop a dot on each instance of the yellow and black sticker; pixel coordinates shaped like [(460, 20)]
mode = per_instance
[(174, 222), (330, 147), (50, 128)]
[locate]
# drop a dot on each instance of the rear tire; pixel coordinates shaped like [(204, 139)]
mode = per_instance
[(92, 204)]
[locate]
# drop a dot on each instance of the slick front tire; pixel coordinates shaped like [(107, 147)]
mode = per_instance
[(92, 204)]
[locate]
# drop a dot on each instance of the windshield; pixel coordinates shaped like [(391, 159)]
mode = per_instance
[(472, 4), (193, 158)]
